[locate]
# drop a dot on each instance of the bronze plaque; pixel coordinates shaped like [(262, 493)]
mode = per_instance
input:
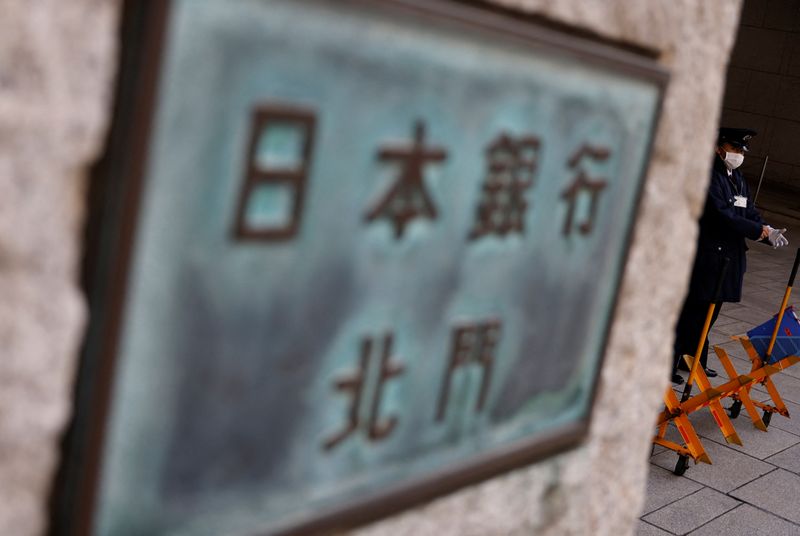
[(366, 252)]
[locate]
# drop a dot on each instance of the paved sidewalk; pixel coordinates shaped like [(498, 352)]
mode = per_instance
[(753, 489)]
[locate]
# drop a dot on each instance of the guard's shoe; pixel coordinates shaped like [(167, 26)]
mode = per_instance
[(677, 378), (711, 373)]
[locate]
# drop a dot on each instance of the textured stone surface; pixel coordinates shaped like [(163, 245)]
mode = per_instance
[(776, 492), (663, 488), (747, 521), (646, 529), (690, 513), (56, 62), (789, 425), (788, 459)]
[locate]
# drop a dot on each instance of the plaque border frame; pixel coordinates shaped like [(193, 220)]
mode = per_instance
[(109, 255)]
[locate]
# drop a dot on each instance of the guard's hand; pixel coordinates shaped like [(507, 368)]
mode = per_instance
[(764, 232), (776, 238)]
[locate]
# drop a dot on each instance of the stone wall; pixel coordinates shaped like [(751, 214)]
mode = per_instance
[(55, 79), (56, 68)]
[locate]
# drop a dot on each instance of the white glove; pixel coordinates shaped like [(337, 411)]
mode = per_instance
[(776, 238)]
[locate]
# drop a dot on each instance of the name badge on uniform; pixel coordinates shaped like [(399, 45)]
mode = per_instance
[(740, 201)]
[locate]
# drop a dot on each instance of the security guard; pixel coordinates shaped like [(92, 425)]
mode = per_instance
[(728, 218)]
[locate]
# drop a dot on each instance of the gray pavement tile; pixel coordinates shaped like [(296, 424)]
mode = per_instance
[(758, 276), (766, 303), (747, 521), (741, 364), (765, 273), (657, 449), (778, 289), (733, 348), (750, 315), (736, 328), (764, 308), (757, 261), (756, 443), (724, 320), (672, 435), (757, 264), (754, 279), (764, 253), (729, 470), (757, 257), (775, 492), (765, 281), (788, 387), (729, 308), (689, 513), (788, 459), (646, 529), (716, 337), (772, 279), (775, 294), (663, 488), (776, 273), (713, 362), (788, 425), (793, 371)]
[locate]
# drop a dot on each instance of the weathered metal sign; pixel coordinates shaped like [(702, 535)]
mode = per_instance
[(375, 259)]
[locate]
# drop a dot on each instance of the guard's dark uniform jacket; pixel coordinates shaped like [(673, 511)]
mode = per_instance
[(723, 229)]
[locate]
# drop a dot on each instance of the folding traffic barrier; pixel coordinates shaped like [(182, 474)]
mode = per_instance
[(677, 411), (768, 356), (765, 362)]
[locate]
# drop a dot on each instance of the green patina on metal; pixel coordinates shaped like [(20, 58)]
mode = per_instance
[(376, 247)]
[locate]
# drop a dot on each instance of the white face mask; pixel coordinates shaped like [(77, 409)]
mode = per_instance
[(733, 160)]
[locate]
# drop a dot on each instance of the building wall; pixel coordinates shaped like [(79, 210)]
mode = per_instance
[(763, 90), (56, 68)]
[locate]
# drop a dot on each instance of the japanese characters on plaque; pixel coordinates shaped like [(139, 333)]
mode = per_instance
[(377, 249), (510, 171)]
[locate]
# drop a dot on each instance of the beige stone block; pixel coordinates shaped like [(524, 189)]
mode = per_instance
[(56, 64)]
